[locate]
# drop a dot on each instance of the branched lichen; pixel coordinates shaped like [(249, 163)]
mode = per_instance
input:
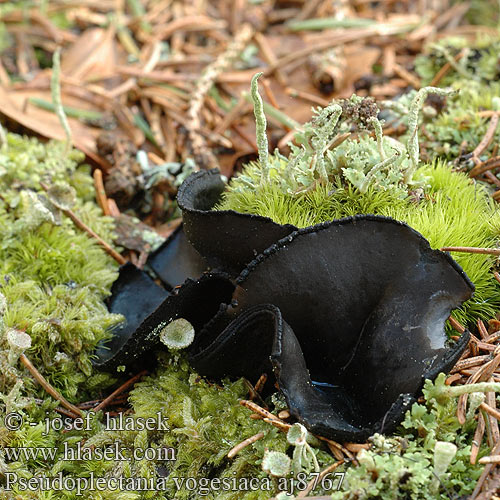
[(405, 466), (260, 129), (412, 145)]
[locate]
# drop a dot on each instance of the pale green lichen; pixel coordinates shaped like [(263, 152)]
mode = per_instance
[(322, 154), (178, 334), (402, 466), (276, 463), (260, 126)]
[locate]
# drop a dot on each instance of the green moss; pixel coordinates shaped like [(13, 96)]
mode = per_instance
[(478, 61), (201, 422), (54, 277)]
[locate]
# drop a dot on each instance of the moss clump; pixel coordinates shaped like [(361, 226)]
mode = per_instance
[(476, 61), (453, 212), (54, 277), (200, 423), (459, 127)]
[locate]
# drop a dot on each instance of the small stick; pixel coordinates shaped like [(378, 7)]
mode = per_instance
[(80, 224), (485, 474), (269, 56), (252, 393), (408, 77), (86, 405), (48, 388), (236, 111), (492, 459), (269, 93), (482, 329), (66, 413), (245, 137), (111, 251), (234, 451), (122, 388), (485, 166), (317, 480), (444, 69), (100, 192), (485, 251), (307, 96), (488, 137), (490, 410)]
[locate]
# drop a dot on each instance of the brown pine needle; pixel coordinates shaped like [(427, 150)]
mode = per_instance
[(234, 451), (100, 192), (81, 225), (48, 388), (463, 364), (482, 329), (497, 276), (272, 419), (485, 166), (408, 77), (317, 480), (129, 383), (258, 409), (261, 383), (478, 438), (107, 248), (488, 137), (491, 411), (487, 251), (444, 70), (485, 473), (456, 325), (282, 426)]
